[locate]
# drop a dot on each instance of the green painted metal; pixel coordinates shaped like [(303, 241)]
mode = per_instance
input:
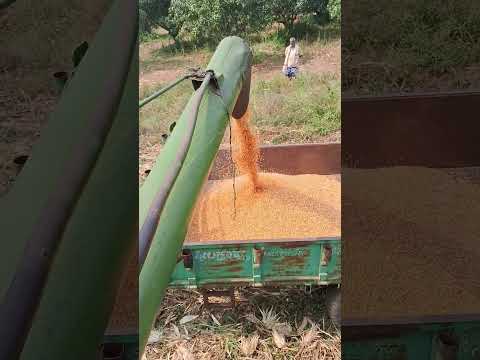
[(230, 63), (422, 342), (248, 263), (101, 231), (150, 223)]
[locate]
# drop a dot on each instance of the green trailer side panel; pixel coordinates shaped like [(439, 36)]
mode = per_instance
[(257, 263), (422, 342), (230, 62)]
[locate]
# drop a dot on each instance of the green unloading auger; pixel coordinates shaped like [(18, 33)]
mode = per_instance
[(69, 224), (226, 87)]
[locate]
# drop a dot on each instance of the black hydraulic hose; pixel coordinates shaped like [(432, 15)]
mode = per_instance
[(150, 224), (161, 91), (23, 296)]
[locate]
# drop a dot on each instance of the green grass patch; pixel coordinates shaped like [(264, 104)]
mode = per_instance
[(156, 116), (153, 36), (268, 52), (410, 45), (308, 32), (306, 107), (299, 111)]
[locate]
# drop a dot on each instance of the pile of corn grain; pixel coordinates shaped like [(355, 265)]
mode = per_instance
[(286, 207), (410, 243), (264, 206)]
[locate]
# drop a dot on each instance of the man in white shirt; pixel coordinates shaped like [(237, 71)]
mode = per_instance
[(292, 55)]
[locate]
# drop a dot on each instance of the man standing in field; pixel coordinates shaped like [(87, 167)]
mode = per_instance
[(292, 55)]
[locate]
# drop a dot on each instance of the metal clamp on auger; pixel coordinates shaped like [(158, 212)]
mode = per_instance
[(198, 76)]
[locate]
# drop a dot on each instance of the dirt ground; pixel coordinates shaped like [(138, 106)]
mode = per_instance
[(28, 93), (327, 60)]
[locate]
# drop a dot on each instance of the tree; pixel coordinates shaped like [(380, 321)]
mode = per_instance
[(320, 9), (287, 11), (335, 10), (208, 21), (154, 13)]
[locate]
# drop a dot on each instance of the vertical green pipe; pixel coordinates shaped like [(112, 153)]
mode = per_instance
[(95, 249), (84, 274), (230, 63)]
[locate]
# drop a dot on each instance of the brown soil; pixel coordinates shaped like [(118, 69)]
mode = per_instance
[(325, 60), (410, 240), (158, 77), (28, 93)]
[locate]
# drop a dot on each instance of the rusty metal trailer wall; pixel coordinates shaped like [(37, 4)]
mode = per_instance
[(433, 130), (294, 159)]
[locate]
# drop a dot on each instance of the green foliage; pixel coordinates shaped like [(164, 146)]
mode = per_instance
[(318, 8), (151, 13), (287, 12), (208, 21), (154, 13), (415, 45), (143, 21), (334, 9), (203, 22)]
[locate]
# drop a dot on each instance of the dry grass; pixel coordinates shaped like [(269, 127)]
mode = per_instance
[(37, 40), (23, 114), (267, 324)]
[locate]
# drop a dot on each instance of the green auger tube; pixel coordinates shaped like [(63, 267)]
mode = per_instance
[(98, 233), (231, 65)]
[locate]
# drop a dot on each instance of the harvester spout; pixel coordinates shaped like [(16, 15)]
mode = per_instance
[(244, 97)]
